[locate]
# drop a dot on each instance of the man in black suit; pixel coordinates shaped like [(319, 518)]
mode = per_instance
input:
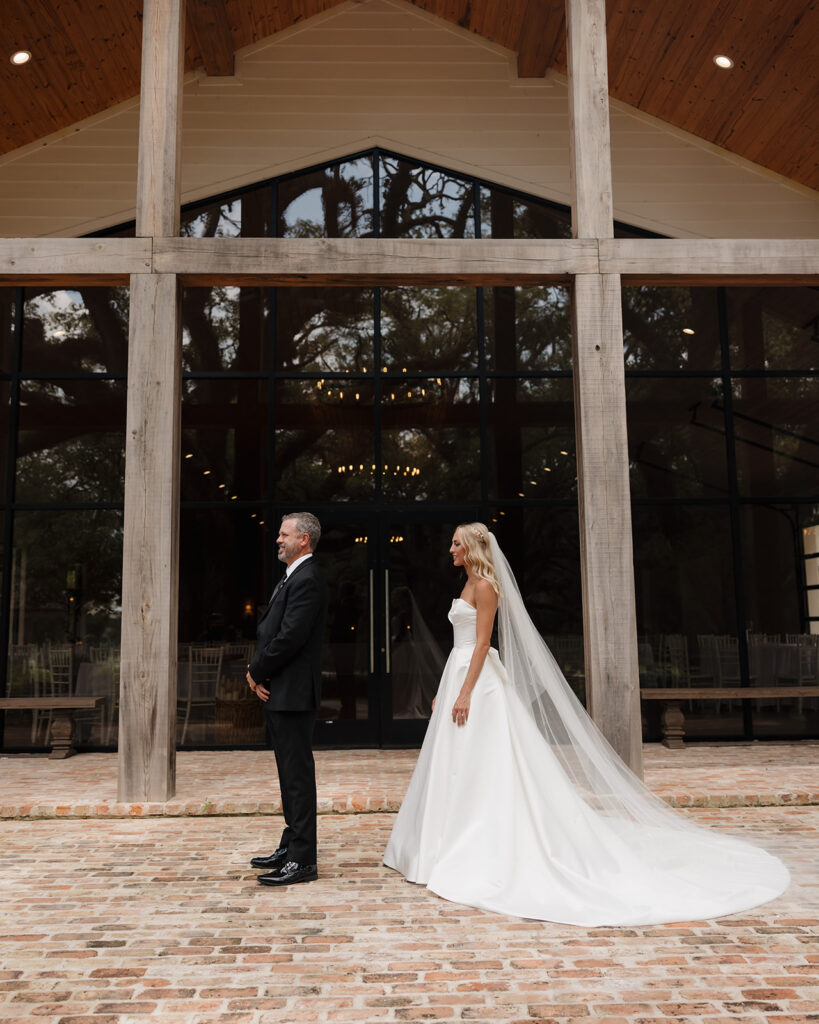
[(285, 674)]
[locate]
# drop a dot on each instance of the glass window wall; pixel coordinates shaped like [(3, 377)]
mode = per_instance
[(62, 391), (723, 403), (396, 413)]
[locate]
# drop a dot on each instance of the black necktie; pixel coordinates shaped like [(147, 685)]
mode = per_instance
[(278, 587)]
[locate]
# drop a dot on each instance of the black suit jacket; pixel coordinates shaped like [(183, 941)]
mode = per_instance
[(289, 641)]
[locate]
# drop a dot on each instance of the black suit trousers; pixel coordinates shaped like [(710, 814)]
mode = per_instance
[(292, 736)]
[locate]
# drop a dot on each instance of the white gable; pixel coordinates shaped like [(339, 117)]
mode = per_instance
[(383, 72)]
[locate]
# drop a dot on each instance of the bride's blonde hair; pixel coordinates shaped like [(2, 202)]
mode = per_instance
[(475, 538)]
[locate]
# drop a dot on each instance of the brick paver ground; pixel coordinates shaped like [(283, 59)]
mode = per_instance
[(119, 921), (135, 919), (228, 782)]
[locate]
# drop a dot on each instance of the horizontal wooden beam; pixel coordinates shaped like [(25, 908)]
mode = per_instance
[(372, 261), (711, 260), (362, 261), (52, 260)]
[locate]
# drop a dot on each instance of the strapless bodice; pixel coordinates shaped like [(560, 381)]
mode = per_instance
[(463, 618)]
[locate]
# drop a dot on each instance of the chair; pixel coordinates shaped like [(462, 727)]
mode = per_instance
[(675, 662), (722, 656), (795, 638), (758, 639), (199, 682), (58, 680), (807, 670), (239, 651), (61, 669)]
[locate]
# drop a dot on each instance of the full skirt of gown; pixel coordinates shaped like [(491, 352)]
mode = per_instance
[(491, 820)]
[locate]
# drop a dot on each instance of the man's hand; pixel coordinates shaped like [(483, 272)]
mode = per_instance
[(257, 688)]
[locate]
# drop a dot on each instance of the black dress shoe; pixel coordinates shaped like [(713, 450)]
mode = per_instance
[(290, 874), (275, 860)]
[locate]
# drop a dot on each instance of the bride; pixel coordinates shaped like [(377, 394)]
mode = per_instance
[(519, 805)]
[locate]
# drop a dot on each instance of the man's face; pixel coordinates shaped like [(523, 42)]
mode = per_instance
[(290, 542)]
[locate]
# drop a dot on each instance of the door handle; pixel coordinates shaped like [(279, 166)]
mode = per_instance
[(372, 623), (387, 616)]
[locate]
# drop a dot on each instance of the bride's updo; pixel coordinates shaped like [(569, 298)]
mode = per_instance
[(475, 538)]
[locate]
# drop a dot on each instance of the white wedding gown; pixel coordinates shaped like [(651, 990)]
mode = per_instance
[(491, 819)]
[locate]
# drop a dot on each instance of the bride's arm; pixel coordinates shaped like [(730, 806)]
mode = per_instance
[(486, 601)]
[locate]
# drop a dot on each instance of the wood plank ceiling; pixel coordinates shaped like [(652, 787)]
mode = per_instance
[(86, 58)]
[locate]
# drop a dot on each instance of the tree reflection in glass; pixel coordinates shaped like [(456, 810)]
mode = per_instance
[(324, 440), (528, 328), (324, 329), (431, 439), (776, 431), (671, 328), (773, 328), (225, 328), (505, 215), (224, 440), (71, 441), (418, 201), (75, 330), (248, 215), (676, 437), (429, 329), (5, 398), (532, 447), (7, 312), (332, 202), (88, 545)]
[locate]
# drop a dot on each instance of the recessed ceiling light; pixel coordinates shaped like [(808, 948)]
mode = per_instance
[(688, 330), (722, 61), (21, 57)]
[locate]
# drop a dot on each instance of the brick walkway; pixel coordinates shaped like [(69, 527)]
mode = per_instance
[(115, 921), (244, 781)]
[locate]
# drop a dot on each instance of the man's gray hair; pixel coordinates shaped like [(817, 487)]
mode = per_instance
[(307, 523)]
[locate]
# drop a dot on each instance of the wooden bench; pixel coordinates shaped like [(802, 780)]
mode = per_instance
[(61, 735), (673, 718)]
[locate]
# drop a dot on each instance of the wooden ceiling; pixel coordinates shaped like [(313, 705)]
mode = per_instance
[(86, 56)]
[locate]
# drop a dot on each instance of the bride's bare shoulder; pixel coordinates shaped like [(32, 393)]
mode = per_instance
[(485, 593)]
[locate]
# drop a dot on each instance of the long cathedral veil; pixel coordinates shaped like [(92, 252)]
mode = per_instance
[(595, 770)]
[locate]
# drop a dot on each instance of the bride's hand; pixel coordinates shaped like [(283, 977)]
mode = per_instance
[(460, 709)]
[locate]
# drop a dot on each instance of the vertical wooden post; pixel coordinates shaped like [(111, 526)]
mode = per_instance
[(607, 566), (150, 579)]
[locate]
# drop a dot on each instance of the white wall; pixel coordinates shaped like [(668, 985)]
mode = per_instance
[(384, 72)]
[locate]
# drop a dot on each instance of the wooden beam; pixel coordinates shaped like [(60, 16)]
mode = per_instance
[(541, 34), (711, 260), (150, 563), (150, 578), (589, 141), (209, 21), (160, 112), (372, 261), (202, 261), (109, 260), (604, 500), (606, 560)]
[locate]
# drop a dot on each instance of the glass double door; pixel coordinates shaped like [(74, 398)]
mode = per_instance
[(391, 583)]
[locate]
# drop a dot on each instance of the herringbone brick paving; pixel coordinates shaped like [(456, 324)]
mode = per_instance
[(124, 920)]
